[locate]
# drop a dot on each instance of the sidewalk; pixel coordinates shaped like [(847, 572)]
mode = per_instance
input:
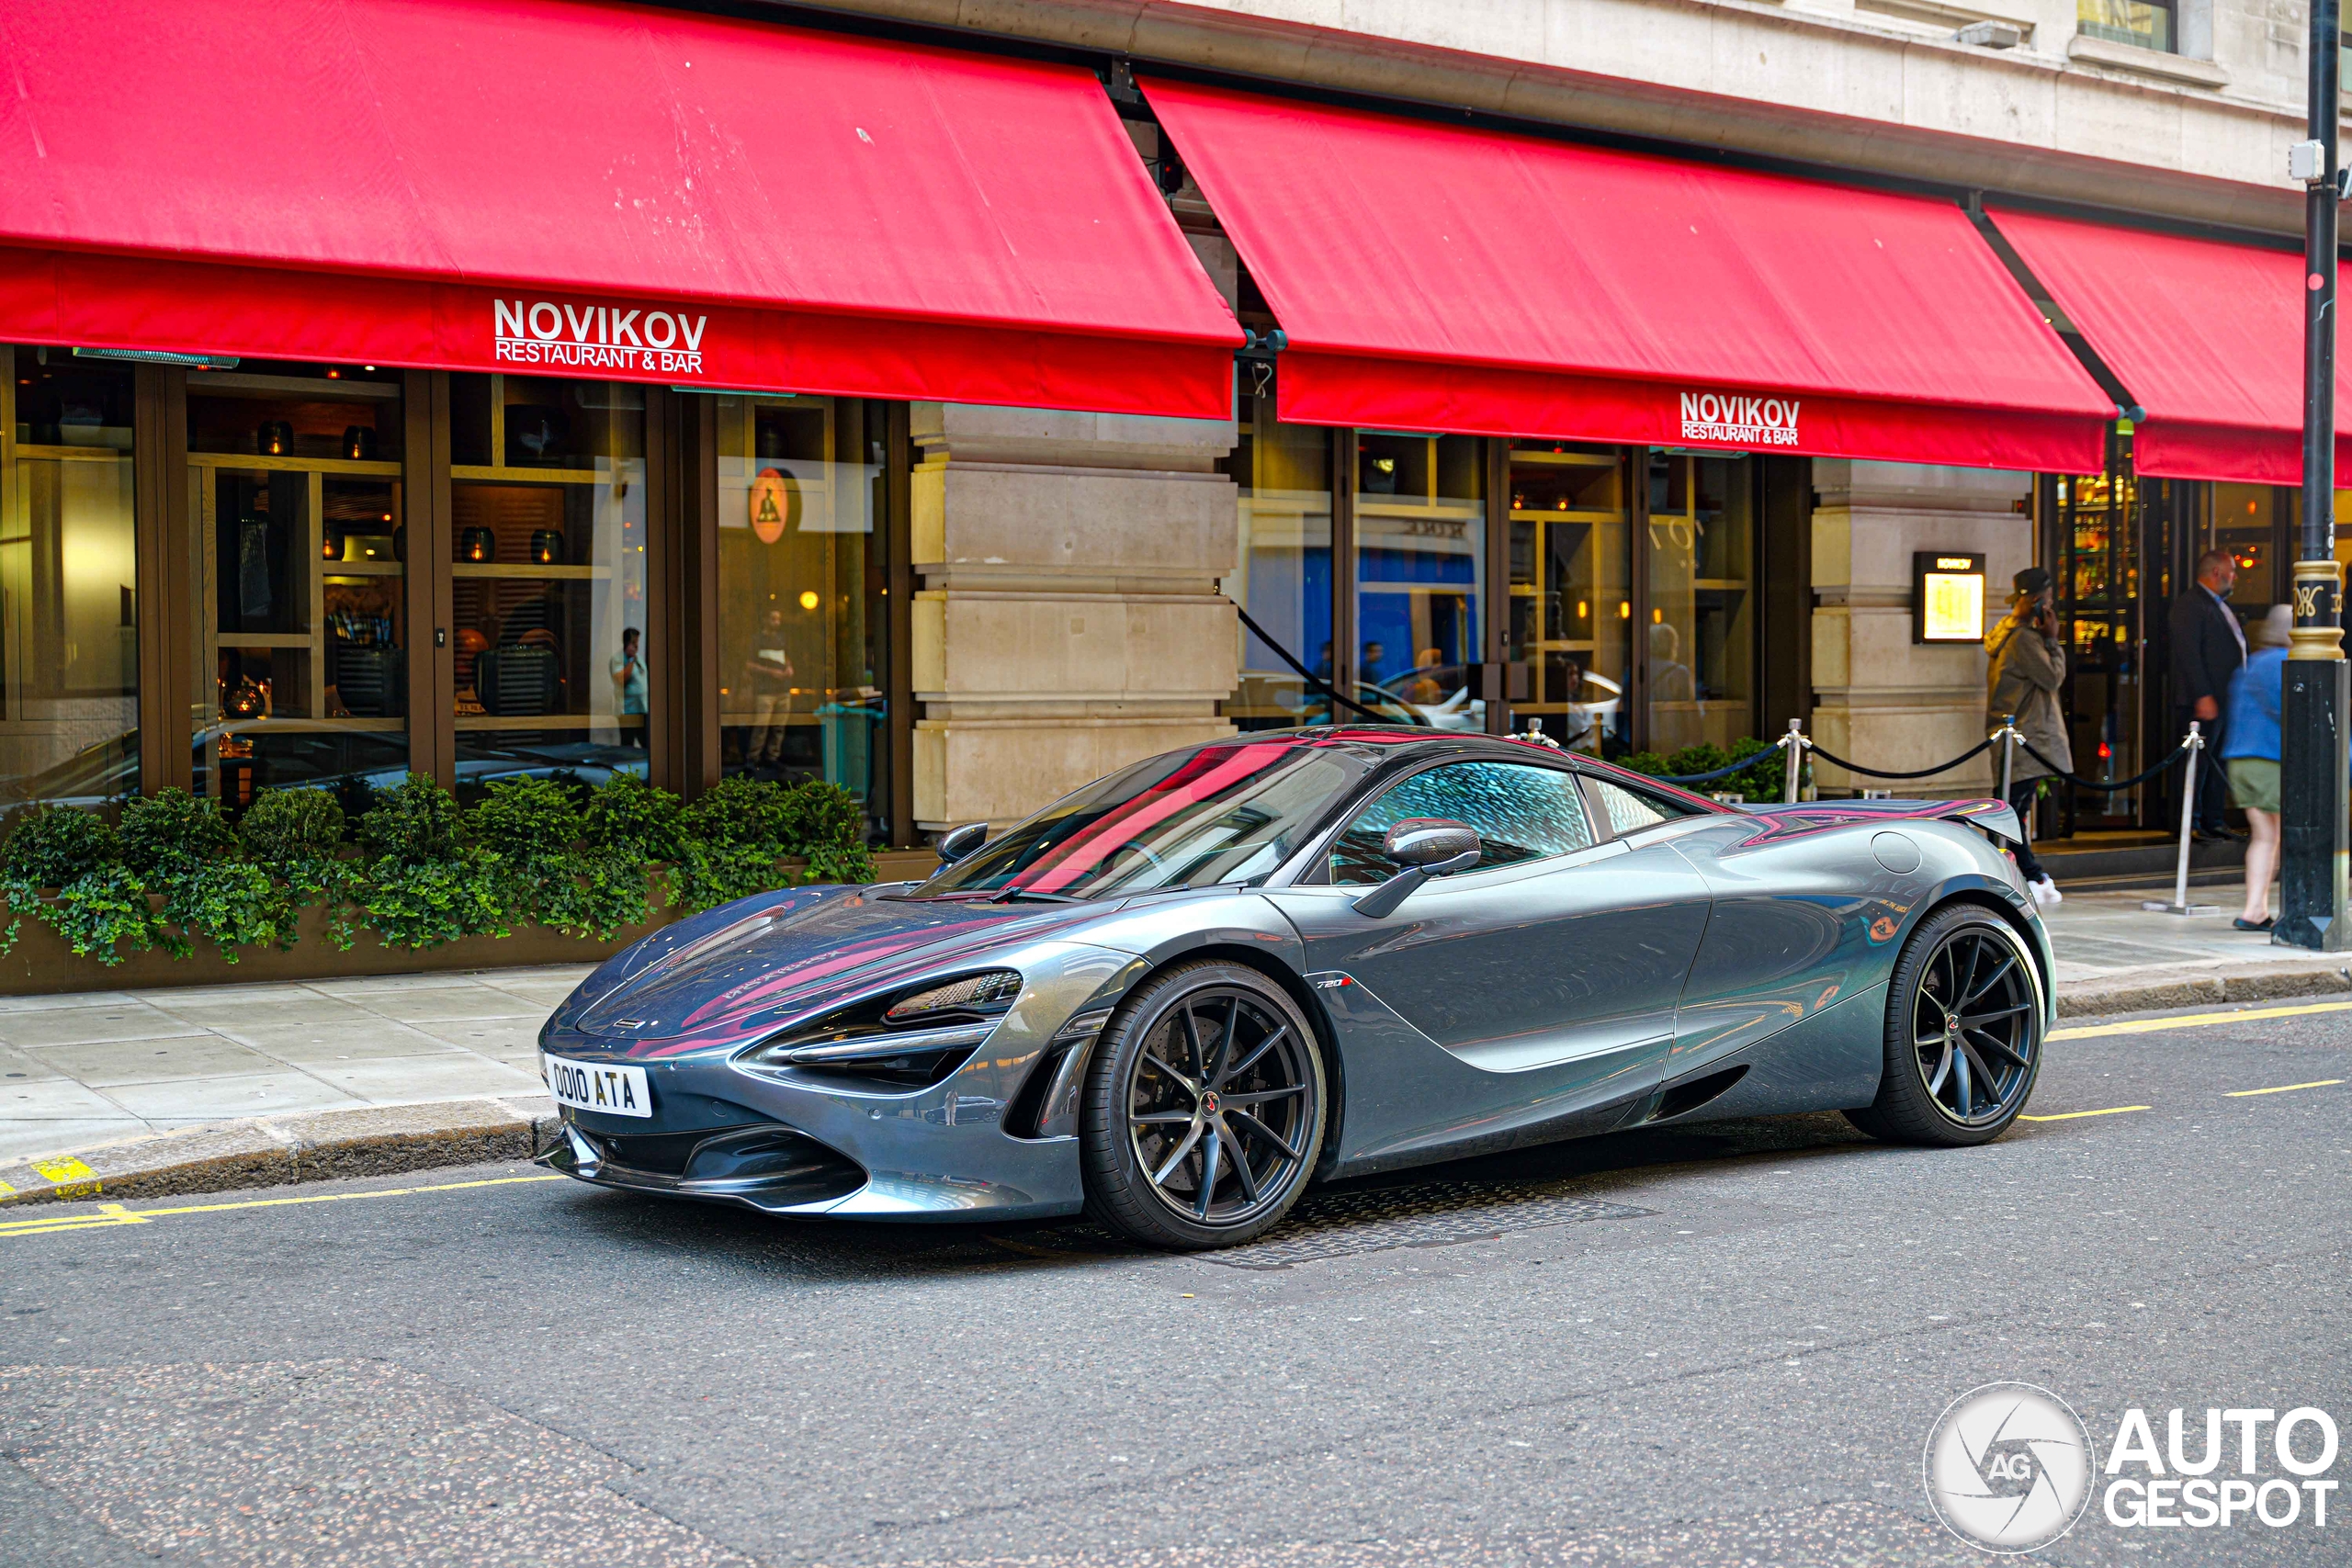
[(204, 1088)]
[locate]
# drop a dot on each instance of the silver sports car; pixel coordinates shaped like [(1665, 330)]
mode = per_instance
[(1175, 998)]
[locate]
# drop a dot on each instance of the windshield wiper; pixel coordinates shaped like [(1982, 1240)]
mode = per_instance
[(1010, 894)]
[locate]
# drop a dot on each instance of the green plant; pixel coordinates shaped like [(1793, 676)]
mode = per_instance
[(100, 903), (297, 834), (531, 826), (102, 910), (421, 903), (628, 816), (824, 825), (179, 845), (1762, 781), (425, 885), (415, 821), (56, 845)]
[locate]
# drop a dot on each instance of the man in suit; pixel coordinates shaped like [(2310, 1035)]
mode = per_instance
[(2208, 646)]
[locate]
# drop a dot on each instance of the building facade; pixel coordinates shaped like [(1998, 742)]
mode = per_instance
[(972, 400)]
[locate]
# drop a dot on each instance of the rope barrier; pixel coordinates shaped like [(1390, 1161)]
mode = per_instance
[(1917, 774), (1751, 760), (2138, 778)]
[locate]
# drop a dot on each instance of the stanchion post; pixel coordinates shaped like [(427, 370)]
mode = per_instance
[(2180, 904), (2316, 705), (2008, 736), (1795, 744)]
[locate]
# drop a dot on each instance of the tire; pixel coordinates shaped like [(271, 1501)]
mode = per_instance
[(1932, 1090), (1166, 1094)]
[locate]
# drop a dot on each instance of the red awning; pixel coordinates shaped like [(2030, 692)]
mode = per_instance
[(582, 188), (1436, 277), (2206, 335)]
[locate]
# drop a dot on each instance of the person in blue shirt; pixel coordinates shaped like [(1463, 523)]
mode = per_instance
[(2250, 753)]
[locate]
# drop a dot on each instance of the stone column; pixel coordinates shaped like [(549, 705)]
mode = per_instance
[(1880, 698), (1068, 621)]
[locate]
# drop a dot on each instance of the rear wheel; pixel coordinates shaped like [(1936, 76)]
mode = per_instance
[(1963, 1034), (1203, 1109)]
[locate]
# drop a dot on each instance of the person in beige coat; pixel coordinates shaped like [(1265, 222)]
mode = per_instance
[(2025, 666)]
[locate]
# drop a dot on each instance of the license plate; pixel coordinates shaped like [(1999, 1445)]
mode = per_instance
[(594, 1086)]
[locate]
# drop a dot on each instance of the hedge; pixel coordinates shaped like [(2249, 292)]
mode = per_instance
[(416, 868)]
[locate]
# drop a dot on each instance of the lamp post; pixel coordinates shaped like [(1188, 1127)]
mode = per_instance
[(2318, 694)]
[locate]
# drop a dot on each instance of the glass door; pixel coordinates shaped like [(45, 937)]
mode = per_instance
[(2098, 534), (1701, 639), (801, 583), (1282, 574), (297, 538), (1421, 532), (1572, 593), (547, 530), (69, 628)]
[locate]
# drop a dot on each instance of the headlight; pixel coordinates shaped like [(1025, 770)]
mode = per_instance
[(894, 1042)]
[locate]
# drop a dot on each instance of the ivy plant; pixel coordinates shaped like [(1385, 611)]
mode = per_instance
[(425, 884), (100, 907)]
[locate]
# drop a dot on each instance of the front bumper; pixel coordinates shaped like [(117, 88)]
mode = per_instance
[(787, 1143)]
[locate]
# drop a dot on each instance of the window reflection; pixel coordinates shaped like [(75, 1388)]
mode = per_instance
[(1420, 529), (1571, 592), (547, 512), (801, 582), (296, 531), (69, 640), (1283, 576)]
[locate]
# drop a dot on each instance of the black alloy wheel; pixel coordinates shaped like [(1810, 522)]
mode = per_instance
[(1964, 1033), (1204, 1110)]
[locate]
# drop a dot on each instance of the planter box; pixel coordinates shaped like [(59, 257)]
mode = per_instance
[(42, 964)]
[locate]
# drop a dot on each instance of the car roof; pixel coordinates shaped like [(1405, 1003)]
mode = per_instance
[(1392, 746)]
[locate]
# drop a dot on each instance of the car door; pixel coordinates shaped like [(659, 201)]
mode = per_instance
[(1530, 997)]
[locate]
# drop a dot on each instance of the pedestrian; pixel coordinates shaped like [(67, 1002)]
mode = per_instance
[(2208, 648), (2251, 755), (628, 668), (2025, 665)]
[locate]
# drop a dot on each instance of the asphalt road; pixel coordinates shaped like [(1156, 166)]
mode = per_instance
[(1724, 1345)]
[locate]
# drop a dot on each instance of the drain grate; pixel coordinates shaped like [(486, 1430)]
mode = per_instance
[(1348, 1225)]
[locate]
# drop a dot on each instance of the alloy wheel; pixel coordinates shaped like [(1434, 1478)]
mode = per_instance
[(1975, 1026), (1220, 1107)]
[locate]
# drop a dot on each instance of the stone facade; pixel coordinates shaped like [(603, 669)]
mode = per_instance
[(1068, 621), (1880, 698)]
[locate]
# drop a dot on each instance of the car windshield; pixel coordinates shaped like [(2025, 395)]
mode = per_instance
[(1225, 813)]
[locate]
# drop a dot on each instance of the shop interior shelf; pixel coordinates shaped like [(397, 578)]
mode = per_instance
[(251, 462), (309, 390), (532, 476), (311, 726), (474, 721), (528, 569), (342, 571), (1535, 514)]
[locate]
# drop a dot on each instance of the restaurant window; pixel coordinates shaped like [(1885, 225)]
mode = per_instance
[(296, 531), (2136, 22), (1701, 639), (1420, 528), (2246, 524), (1571, 593), (802, 573), (1283, 574), (548, 531), (69, 638)]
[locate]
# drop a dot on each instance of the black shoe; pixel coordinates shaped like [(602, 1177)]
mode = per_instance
[(2215, 835), (2245, 925)]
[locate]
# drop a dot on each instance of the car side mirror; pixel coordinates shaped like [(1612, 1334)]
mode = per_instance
[(1425, 847), (957, 842)]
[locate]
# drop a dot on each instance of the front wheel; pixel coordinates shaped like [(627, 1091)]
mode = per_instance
[(1963, 1034), (1204, 1110)]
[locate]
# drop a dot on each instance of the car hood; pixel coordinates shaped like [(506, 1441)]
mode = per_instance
[(736, 979)]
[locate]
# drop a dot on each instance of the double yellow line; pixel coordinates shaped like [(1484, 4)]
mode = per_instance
[(2191, 1021), (109, 1215)]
